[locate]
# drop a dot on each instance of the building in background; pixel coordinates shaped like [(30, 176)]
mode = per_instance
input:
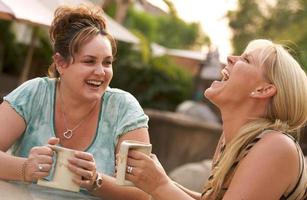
[(150, 6)]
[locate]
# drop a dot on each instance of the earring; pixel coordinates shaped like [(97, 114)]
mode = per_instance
[(253, 93), (59, 71)]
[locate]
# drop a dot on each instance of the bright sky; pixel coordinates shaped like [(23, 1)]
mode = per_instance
[(210, 13)]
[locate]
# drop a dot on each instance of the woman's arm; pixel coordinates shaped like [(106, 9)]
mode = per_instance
[(269, 170), (17, 168), (12, 126), (109, 189), (148, 175), (170, 192), (193, 194)]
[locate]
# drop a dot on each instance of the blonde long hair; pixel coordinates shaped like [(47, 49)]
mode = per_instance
[(286, 112)]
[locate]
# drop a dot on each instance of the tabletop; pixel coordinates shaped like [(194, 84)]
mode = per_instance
[(10, 190)]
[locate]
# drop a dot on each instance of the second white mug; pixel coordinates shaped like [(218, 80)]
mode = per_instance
[(125, 146)]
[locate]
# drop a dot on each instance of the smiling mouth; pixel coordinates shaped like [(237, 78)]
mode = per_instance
[(94, 83), (225, 75)]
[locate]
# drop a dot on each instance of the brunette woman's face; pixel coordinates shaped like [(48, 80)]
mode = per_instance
[(91, 72)]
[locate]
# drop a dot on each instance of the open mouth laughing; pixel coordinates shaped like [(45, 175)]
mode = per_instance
[(94, 83), (225, 75)]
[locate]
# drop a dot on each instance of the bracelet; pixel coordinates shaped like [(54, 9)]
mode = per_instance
[(23, 170), (97, 183)]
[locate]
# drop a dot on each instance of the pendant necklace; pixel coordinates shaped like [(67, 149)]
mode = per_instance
[(70, 132)]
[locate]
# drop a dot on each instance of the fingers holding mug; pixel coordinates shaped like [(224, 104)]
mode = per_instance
[(38, 163), (44, 168), (84, 165), (144, 172), (85, 174)]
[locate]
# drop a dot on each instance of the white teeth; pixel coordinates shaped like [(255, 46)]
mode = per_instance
[(96, 83), (225, 74)]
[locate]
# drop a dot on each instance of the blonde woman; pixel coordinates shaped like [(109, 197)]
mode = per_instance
[(263, 101)]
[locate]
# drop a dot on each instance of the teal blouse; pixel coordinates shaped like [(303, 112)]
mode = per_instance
[(34, 101)]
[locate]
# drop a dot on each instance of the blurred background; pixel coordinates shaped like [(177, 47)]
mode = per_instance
[(169, 52)]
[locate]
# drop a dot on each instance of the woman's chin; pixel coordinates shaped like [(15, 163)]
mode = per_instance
[(212, 95), (209, 93), (92, 96), (214, 90)]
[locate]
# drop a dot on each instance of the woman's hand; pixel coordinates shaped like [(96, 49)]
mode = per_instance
[(83, 164), (39, 162), (146, 173)]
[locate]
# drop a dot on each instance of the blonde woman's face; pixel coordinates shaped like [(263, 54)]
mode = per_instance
[(241, 76), (90, 74)]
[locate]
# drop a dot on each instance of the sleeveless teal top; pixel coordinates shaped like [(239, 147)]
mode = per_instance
[(34, 101)]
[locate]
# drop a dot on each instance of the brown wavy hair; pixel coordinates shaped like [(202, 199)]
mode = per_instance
[(72, 27)]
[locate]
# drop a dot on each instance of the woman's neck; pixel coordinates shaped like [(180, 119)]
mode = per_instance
[(234, 119), (74, 108), (231, 126)]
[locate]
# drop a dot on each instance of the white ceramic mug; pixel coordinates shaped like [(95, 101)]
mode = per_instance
[(125, 146), (62, 176)]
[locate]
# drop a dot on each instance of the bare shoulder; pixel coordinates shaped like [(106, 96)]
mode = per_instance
[(273, 166), (276, 144), (276, 150), (12, 125)]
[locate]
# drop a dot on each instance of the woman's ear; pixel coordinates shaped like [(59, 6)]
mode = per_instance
[(59, 62), (264, 91)]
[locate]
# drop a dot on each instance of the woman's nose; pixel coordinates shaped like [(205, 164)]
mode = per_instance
[(231, 59), (99, 69)]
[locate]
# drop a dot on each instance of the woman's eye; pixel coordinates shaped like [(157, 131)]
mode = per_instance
[(89, 61), (246, 59), (107, 62)]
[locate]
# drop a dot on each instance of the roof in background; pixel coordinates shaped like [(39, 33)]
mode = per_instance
[(120, 32), (196, 55), (5, 11), (40, 12), (159, 50), (31, 11), (154, 7)]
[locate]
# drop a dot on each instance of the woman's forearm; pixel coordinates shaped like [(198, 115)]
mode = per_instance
[(171, 191), (111, 191), (191, 193), (11, 167)]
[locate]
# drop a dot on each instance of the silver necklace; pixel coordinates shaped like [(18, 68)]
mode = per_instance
[(70, 132)]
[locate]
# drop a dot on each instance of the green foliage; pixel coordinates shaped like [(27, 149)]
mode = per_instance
[(144, 46), (111, 9), (142, 22), (164, 30), (169, 36), (11, 53), (157, 84), (243, 23), (42, 56), (171, 7), (283, 22)]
